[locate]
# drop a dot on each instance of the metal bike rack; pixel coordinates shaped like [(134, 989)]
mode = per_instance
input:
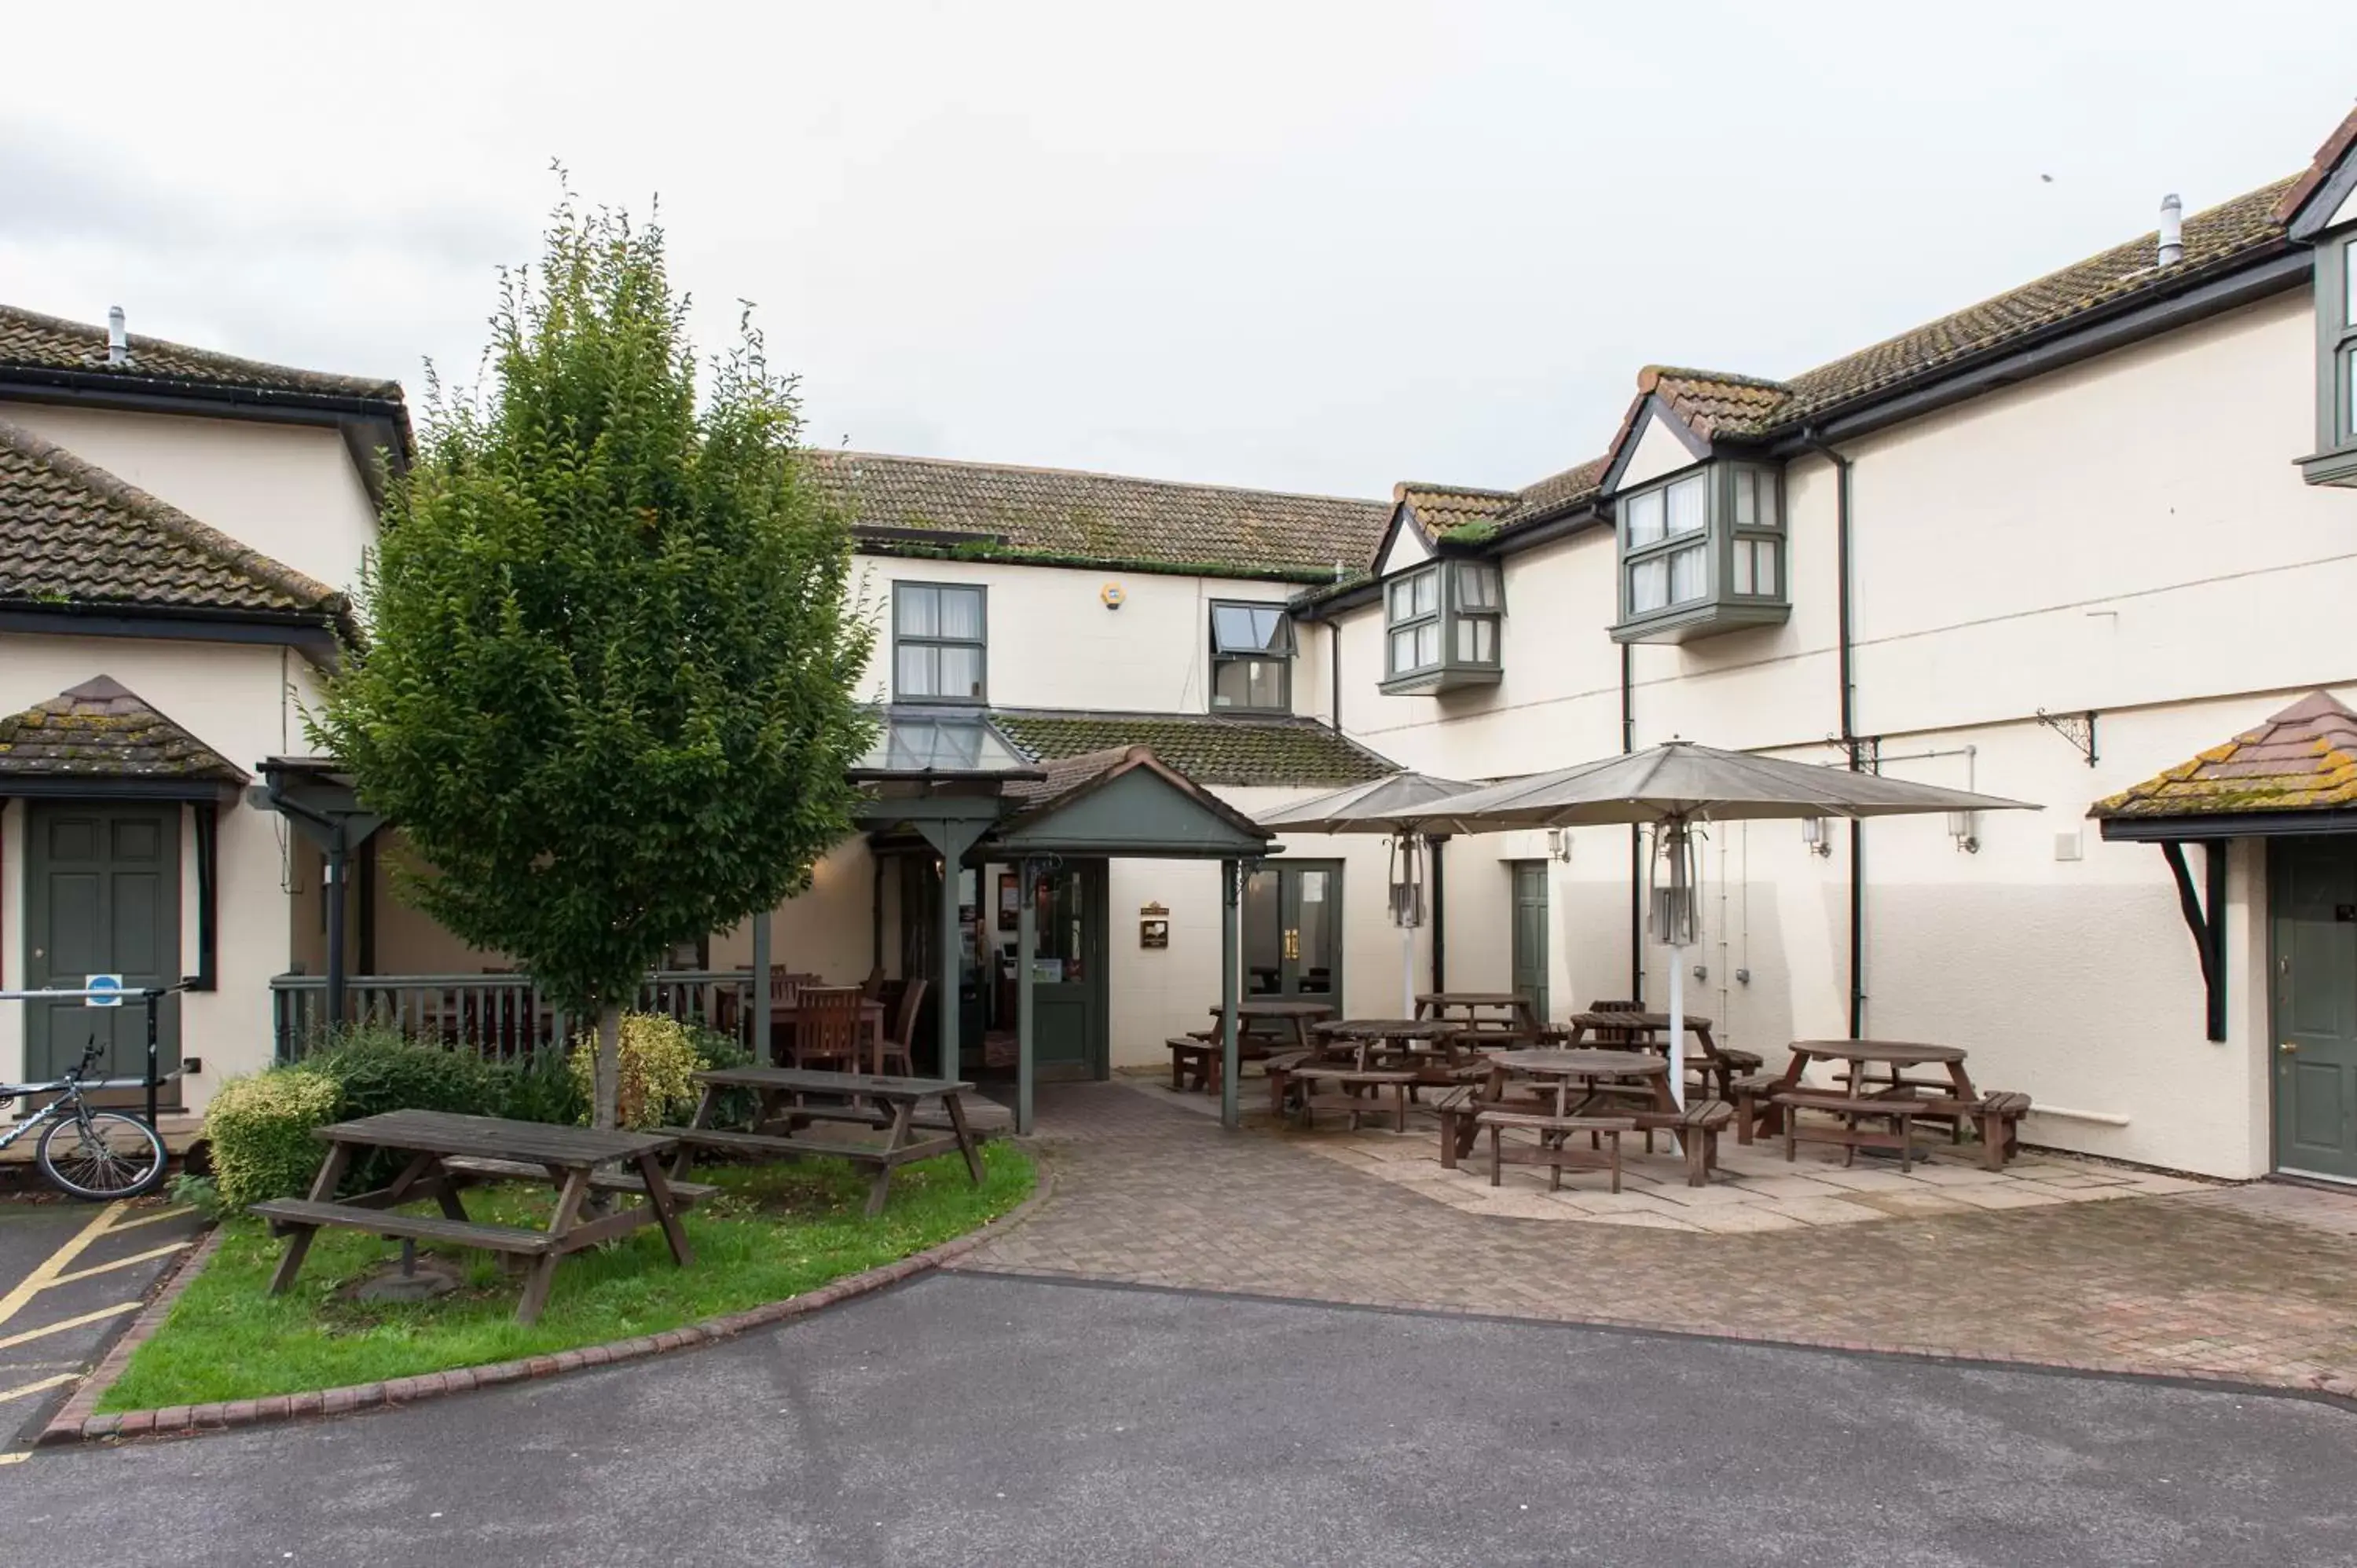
[(151, 999)]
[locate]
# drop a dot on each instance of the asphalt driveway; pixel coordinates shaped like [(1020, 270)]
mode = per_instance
[(71, 1275), (968, 1417)]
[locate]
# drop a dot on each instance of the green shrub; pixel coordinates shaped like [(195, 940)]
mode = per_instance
[(378, 1069), (541, 1087), (259, 1130), (657, 1058), (200, 1193)]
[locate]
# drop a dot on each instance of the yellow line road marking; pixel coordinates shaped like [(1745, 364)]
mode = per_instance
[(21, 1389), (149, 1219), (152, 1252), (47, 1271), (102, 1314), (17, 1458)]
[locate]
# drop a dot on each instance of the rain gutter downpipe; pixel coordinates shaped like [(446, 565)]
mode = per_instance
[(1636, 833), (1845, 647)]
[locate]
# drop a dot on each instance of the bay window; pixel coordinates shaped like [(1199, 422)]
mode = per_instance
[(1441, 626), (1702, 552)]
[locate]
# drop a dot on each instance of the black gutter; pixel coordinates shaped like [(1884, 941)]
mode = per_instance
[(2226, 825), (1847, 675), (314, 636), (1439, 914)]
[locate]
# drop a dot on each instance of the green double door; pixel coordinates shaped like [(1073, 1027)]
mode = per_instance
[(2312, 898), (1293, 930), (101, 896)]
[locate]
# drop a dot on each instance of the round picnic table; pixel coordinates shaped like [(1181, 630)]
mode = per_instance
[(1363, 1038), (1588, 1068), (1951, 1098)]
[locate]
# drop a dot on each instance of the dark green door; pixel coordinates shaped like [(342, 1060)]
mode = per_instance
[(1068, 991), (1530, 933), (1293, 930), (101, 896), (2313, 891)]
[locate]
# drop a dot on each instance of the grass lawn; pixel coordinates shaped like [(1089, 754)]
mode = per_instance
[(774, 1230)]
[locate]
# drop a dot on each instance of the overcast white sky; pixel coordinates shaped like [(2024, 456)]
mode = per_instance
[(1308, 246)]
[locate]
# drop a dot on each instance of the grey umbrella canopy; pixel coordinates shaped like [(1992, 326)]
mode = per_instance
[(1394, 806), (1682, 782), (1389, 805), (1674, 787)]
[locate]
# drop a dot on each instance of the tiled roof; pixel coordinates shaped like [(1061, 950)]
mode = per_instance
[(71, 534), (2320, 168), (2229, 234), (1445, 508), (1062, 515), (2303, 759), (98, 730), (1207, 750), (1716, 403), (30, 339)]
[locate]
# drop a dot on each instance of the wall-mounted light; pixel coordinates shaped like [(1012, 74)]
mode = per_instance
[(1813, 834), (1558, 845), (1964, 827)]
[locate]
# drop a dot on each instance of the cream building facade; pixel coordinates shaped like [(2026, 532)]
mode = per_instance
[(2057, 547)]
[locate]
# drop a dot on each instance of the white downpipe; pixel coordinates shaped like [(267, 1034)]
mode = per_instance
[(1407, 971), (2101, 1118)]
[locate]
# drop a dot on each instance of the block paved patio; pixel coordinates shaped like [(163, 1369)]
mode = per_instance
[(2117, 1272)]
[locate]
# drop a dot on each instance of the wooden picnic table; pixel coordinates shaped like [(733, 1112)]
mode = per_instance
[(783, 1109), (449, 1151), (1482, 1010), (1649, 1031), (1946, 1092), (1580, 1090), (1274, 1017)]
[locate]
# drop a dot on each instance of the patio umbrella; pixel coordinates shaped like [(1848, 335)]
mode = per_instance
[(1388, 806), (1673, 787)]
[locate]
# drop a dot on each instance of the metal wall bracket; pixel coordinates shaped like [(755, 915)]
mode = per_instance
[(2078, 729)]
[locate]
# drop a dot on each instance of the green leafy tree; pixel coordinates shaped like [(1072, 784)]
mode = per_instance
[(607, 689)]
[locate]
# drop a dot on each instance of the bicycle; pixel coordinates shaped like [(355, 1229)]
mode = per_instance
[(84, 1152)]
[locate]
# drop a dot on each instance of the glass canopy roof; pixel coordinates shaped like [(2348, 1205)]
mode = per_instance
[(934, 744)]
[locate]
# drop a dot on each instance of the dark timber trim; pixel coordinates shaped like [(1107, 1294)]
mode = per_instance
[(2206, 921), (2228, 825)]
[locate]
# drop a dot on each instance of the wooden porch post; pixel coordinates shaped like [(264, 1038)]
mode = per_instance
[(1231, 889), (1027, 925), (757, 1006)]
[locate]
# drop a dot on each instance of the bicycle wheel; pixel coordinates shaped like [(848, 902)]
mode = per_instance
[(102, 1155)]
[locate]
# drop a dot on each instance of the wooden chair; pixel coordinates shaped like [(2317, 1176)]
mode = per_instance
[(902, 1035), (873, 987), (827, 1033)]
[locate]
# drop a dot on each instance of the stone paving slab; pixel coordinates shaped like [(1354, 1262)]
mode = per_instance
[(2126, 1271)]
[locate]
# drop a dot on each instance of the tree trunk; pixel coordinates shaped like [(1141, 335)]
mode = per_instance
[(604, 1112)]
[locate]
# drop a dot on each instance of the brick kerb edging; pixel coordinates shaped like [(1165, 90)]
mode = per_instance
[(76, 1422)]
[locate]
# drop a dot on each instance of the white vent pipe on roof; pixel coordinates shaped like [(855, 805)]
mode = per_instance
[(2172, 230), (118, 340)]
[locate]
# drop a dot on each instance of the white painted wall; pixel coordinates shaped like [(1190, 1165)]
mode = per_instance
[(242, 702), (1053, 643), (1659, 451), (288, 490), (2128, 535)]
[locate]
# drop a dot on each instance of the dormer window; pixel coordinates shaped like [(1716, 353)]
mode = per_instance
[(2335, 462), (1252, 659), (1701, 554), (1440, 627)]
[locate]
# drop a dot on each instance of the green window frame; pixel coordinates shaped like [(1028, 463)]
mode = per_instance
[(2337, 341), (1252, 658), (1442, 627), (940, 643)]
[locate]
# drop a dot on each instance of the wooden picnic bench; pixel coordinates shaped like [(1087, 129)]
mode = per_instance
[(1851, 1113), (1350, 1091), (1931, 1078), (1554, 1147), (449, 1151), (788, 1100)]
